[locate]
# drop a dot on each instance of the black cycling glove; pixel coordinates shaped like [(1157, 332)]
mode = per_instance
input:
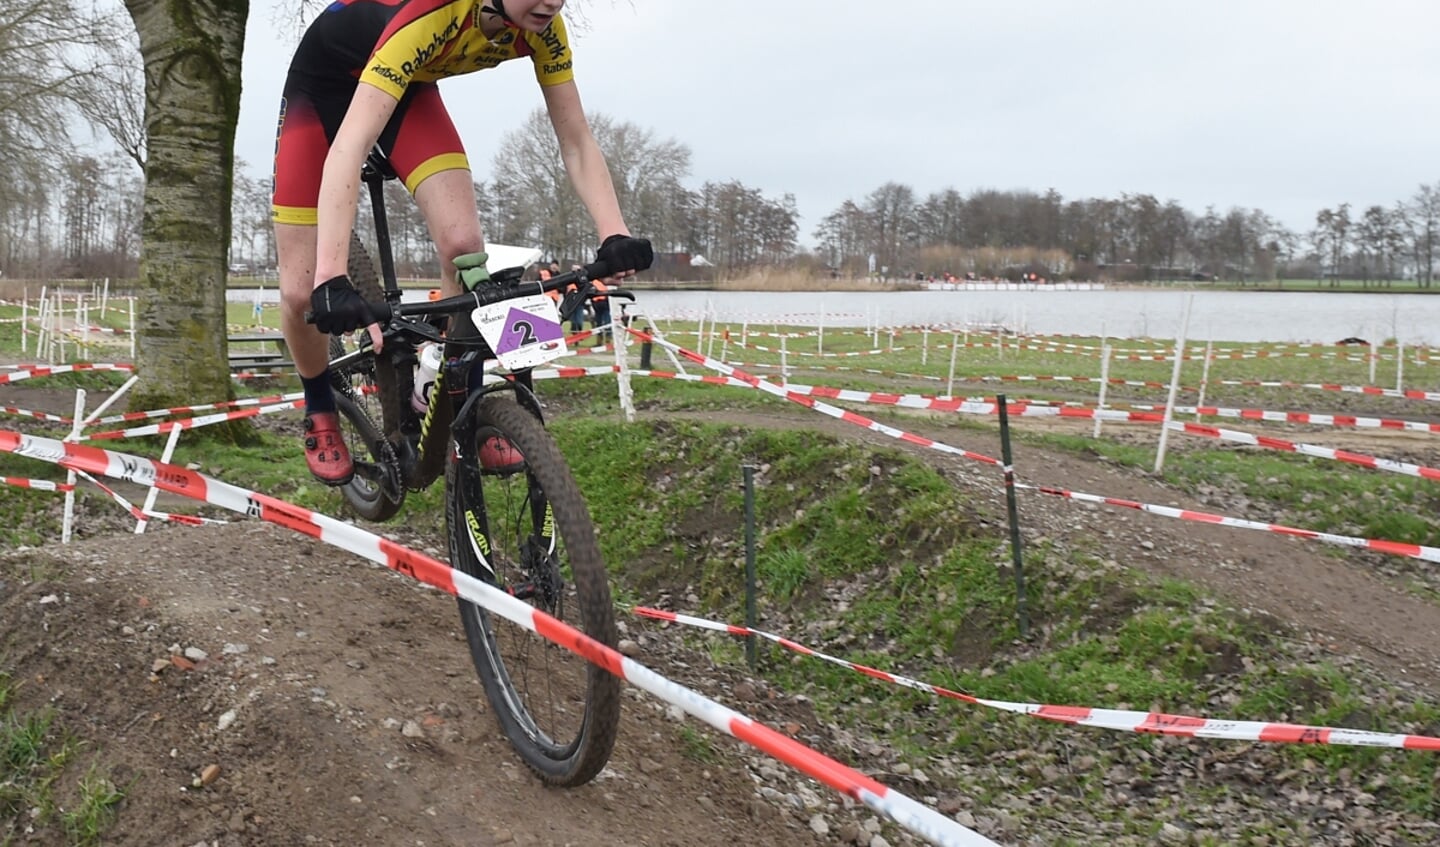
[(622, 253), (337, 308)]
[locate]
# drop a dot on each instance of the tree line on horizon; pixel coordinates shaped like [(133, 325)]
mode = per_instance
[(78, 216), (68, 212)]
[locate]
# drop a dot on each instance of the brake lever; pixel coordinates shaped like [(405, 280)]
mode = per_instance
[(575, 299)]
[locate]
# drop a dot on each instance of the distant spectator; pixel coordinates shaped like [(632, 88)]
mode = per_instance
[(602, 312)]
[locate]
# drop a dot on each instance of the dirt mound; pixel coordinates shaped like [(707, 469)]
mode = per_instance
[(336, 698)]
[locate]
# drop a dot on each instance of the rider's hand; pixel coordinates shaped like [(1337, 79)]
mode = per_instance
[(625, 255), (337, 308)]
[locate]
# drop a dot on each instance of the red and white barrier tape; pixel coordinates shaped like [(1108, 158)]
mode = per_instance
[(44, 416), (1409, 394), (1305, 449), (32, 371), (1022, 409), (270, 374), (36, 484), (137, 512), (824, 408), (900, 808), (191, 423), (203, 407), (1396, 548), (1124, 720), (813, 355), (103, 330)]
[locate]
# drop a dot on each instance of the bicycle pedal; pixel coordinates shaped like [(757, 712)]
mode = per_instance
[(522, 590)]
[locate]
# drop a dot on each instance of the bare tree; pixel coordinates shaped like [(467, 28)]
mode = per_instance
[(647, 173), (35, 39), (536, 203), (1422, 215), (112, 97), (894, 224), (1331, 237)]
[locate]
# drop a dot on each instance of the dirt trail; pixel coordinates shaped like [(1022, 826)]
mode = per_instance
[(354, 716)]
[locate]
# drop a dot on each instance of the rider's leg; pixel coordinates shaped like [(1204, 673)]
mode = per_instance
[(300, 149), (428, 155), (447, 199), (295, 249)]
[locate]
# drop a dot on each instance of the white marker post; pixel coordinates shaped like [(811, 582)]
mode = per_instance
[(1104, 382), (155, 492), (1374, 355), (68, 523), (1174, 385), (1399, 365), (820, 345), (954, 351), (620, 342), (1204, 377)]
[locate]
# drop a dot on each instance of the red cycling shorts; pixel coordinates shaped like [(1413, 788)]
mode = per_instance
[(420, 141)]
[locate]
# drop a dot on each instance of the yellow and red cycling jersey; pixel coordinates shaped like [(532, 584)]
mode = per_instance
[(393, 43), (402, 47)]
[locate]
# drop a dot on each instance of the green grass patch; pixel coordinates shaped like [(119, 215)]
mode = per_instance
[(40, 789)]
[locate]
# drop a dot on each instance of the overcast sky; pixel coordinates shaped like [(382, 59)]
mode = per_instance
[(1284, 105)]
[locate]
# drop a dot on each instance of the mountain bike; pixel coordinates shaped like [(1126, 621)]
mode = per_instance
[(514, 515)]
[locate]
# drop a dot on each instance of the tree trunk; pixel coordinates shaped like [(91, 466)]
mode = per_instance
[(191, 50)]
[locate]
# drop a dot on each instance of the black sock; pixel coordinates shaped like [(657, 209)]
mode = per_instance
[(319, 396)]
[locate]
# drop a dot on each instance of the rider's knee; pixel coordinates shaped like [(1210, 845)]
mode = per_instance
[(294, 299), (457, 241)]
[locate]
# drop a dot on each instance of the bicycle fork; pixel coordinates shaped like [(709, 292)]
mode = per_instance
[(539, 565)]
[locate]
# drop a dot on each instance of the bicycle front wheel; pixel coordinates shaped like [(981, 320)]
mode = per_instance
[(516, 518)]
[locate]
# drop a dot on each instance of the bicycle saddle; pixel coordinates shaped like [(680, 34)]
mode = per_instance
[(377, 165)]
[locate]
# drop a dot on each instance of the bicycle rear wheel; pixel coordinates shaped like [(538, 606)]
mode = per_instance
[(367, 398), (519, 522)]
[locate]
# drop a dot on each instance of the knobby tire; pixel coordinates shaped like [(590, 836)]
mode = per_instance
[(567, 743)]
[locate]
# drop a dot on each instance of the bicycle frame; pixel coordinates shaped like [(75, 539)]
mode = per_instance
[(422, 440)]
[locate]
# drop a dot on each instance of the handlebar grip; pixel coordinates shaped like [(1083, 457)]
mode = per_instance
[(597, 270)]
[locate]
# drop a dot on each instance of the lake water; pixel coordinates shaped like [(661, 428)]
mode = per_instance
[(1221, 315)]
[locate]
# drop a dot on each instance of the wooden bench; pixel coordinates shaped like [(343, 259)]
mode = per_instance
[(244, 360)]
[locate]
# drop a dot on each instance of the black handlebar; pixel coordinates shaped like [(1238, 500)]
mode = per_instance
[(491, 294)]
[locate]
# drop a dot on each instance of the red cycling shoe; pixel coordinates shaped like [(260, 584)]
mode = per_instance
[(498, 456), (325, 451)]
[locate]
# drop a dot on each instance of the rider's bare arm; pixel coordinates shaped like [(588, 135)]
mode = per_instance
[(369, 111), (584, 163)]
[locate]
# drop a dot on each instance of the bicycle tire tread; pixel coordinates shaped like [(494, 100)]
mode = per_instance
[(573, 523)]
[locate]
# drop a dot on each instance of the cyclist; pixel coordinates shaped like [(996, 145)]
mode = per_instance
[(365, 73)]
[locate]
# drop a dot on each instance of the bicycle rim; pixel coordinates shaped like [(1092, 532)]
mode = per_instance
[(530, 525)]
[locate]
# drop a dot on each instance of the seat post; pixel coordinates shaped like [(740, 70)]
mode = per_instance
[(374, 174)]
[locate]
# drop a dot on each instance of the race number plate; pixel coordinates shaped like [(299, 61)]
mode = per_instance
[(523, 332)]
